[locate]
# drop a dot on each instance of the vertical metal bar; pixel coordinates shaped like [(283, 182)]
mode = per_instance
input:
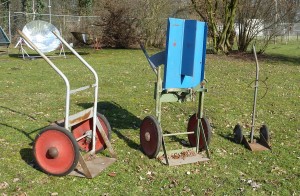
[(49, 6), (200, 129), (255, 95), (96, 87), (199, 116), (9, 25), (158, 108), (106, 140), (165, 151), (158, 94), (59, 73)]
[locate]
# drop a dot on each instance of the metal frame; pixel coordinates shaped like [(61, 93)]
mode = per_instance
[(170, 95), (262, 144), (69, 121), (25, 55)]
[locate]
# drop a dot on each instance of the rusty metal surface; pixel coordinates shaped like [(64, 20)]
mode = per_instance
[(95, 166), (80, 116), (264, 142), (76, 118), (255, 146)]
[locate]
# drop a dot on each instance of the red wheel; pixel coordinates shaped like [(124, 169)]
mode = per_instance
[(56, 151), (150, 136), (192, 126), (85, 128)]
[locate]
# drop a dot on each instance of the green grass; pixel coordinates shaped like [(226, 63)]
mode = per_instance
[(32, 96)]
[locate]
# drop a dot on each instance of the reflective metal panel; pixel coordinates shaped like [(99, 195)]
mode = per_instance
[(40, 33)]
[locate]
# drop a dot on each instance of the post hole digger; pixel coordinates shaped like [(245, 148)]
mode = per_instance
[(56, 147), (263, 142)]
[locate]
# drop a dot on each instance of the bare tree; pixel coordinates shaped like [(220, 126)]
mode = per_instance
[(119, 27), (263, 17), (220, 16), (153, 16)]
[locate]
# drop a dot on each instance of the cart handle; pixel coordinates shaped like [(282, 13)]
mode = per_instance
[(95, 85), (67, 83)]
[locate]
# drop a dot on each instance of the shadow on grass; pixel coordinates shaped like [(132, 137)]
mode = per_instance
[(295, 61), (79, 52), (282, 58), (27, 156), (181, 141), (118, 118), (22, 131), (33, 56), (227, 136), (27, 134)]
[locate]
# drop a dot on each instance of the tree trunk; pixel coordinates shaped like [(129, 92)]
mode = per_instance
[(214, 14)]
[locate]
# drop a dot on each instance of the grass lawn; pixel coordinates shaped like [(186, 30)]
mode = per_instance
[(33, 95)]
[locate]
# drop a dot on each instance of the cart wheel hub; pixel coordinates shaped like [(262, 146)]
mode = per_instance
[(147, 136), (52, 152)]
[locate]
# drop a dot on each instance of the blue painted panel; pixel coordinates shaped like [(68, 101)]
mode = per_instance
[(185, 53), (188, 53), (173, 48)]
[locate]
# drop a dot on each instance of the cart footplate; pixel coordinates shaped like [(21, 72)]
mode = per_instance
[(94, 166), (260, 145), (180, 157)]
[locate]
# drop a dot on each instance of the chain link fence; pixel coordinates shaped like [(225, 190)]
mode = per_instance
[(94, 25), (64, 23)]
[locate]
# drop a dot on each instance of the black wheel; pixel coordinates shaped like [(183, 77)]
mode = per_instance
[(192, 126), (150, 136), (56, 151), (238, 134), (264, 132)]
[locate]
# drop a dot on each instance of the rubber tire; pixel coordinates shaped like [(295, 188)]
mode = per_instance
[(66, 161), (150, 148), (264, 131), (238, 134)]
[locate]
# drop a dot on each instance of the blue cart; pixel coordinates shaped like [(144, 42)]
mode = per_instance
[(183, 79)]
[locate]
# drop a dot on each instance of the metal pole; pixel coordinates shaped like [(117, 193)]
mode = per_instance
[(49, 6), (9, 27), (158, 94), (255, 95), (33, 10)]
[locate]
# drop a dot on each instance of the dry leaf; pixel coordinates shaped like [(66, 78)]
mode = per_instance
[(112, 174), (16, 180), (4, 185)]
